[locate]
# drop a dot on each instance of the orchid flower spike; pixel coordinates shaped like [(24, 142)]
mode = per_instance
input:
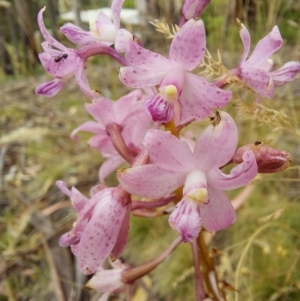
[(192, 10), (127, 117), (102, 226), (173, 164), (62, 63), (172, 76), (103, 30), (256, 72)]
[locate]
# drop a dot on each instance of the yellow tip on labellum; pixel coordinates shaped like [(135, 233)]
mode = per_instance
[(170, 92), (200, 195)]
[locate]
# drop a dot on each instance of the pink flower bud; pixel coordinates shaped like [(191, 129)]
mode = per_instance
[(269, 160)]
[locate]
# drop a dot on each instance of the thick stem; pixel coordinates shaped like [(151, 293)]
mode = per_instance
[(130, 275), (114, 132), (94, 49), (209, 273), (200, 295)]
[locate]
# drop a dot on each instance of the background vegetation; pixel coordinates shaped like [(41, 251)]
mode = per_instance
[(259, 255)]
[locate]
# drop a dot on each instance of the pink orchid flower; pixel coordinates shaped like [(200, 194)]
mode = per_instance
[(192, 9), (102, 30), (256, 70), (173, 164), (102, 226), (176, 83), (132, 120), (62, 63)]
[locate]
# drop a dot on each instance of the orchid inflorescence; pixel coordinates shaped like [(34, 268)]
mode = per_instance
[(168, 169)]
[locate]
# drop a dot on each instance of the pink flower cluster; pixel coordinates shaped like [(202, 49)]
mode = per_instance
[(169, 169)]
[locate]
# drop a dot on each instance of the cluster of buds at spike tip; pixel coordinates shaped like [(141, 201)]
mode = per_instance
[(269, 160)]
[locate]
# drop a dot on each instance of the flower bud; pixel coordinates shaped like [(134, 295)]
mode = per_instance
[(269, 160)]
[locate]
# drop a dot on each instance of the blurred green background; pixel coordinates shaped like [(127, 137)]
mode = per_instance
[(260, 252)]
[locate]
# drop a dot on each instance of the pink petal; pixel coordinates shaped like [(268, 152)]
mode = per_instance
[(83, 81), (286, 73), (108, 166), (150, 180), (145, 59), (188, 46), (265, 48), (168, 152), (217, 144), (116, 8), (51, 88), (239, 176), (218, 214), (78, 200), (64, 68), (106, 31), (128, 105), (199, 97), (101, 232), (140, 78), (123, 236), (102, 18), (102, 110), (89, 126), (245, 36), (47, 35), (102, 142), (63, 188), (135, 128), (123, 39), (77, 35), (259, 81)]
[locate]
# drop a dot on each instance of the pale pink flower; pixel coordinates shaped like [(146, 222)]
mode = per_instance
[(173, 164), (176, 84), (102, 226), (256, 72), (62, 63), (128, 114), (103, 30)]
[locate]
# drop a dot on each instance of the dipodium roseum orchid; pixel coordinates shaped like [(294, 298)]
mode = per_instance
[(173, 164), (176, 83), (62, 63), (102, 30), (102, 226), (256, 72), (126, 117)]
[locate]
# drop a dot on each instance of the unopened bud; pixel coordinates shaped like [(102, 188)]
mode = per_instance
[(269, 160)]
